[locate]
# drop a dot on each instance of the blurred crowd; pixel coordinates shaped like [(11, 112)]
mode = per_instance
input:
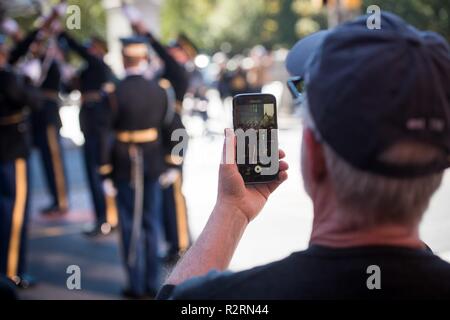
[(134, 180)]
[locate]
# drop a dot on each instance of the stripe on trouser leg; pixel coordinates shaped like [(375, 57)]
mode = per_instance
[(111, 210), (181, 216), (57, 166), (17, 217)]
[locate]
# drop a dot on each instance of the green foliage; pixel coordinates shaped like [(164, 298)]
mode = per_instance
[(424, 14), (239, 25), (310, 17), (93, 18), (243, 24), (187, 16)]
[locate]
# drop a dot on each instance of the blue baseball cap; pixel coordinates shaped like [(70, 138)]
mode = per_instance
[(369, 89)]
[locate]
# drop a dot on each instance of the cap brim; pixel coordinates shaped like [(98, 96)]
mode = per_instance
[(132, 40), (302, 51)]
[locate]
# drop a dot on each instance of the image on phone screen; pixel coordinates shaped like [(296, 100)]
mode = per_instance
[(255, 115)]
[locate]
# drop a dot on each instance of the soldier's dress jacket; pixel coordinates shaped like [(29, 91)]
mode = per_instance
[(17, 99), (140, 112), (91, 81), (50, 86)]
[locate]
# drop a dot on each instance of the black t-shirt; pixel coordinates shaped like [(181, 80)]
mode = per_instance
[(326, 273)]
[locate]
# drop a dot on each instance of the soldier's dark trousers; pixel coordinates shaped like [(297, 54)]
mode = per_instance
[(90, 120), (143, 274), (14, 189), (91, 163), (175, 220), (48, 141)]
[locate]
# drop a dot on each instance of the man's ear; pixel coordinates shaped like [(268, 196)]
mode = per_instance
[(316, 158)]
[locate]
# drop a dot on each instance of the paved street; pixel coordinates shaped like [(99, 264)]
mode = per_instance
[(282, 227)]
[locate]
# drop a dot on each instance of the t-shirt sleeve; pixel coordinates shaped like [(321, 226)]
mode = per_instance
[(195, 288)]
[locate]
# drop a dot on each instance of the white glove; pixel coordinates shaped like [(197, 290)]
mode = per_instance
[(108, 188), (10, 26), (68, 72), (61, 9), (131, 13), (32, 69), (168, 177), (56, 26)]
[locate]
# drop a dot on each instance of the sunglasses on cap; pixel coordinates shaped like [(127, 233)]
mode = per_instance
[(296, 87)]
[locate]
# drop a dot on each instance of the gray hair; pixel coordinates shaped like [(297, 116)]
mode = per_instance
[(369, 199)]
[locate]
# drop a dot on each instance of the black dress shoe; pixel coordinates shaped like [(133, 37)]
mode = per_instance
[(171, 258), (102, 229), (151, 294), (130, 294), (54, 211), (24, 281)]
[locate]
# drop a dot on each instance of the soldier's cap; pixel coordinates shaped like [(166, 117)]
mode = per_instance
[(135, 46), (186, 44), (369, 89)]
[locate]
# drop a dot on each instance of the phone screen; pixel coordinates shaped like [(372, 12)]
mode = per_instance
[(255, 124)]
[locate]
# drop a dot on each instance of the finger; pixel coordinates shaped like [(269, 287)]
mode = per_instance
[(282, 177), (229, 147), (281, 154), (283, 166)]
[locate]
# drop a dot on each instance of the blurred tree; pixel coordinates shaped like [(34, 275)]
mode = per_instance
[(93, 18), (280, 19), (424, 14), (189, 17), (244, 24), (239, 24), (312, 16)]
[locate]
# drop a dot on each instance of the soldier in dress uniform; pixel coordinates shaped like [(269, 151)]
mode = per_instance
[(95, 77), (46, 123), (142, 113), (17, 98), (175, 221)]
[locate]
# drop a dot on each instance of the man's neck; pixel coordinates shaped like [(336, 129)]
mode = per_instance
[(333, 234)]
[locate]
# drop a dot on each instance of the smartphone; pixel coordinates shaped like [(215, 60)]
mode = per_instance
[(256, 128)]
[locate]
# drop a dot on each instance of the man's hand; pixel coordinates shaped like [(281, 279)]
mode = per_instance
[(233, 193), (237, 204), (134, 16), (10, 26)]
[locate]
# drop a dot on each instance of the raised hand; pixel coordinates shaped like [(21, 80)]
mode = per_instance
[(246, 199)]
